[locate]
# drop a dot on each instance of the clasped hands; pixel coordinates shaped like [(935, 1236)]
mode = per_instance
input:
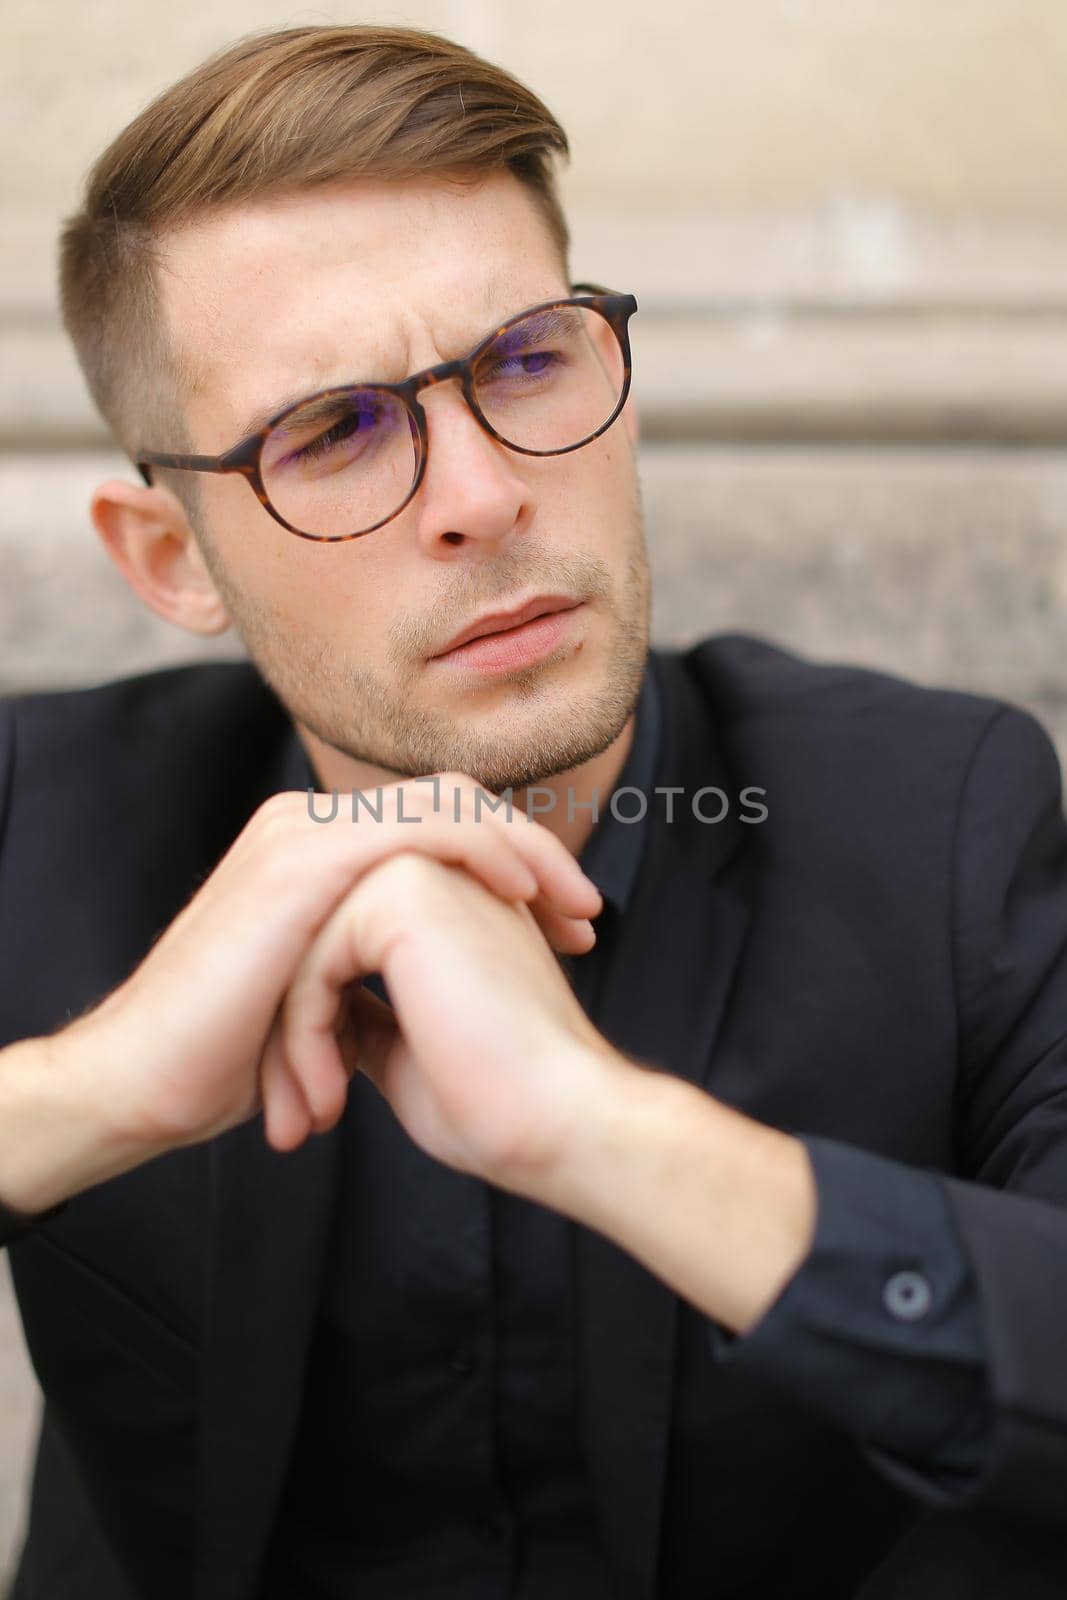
[(251, 998)]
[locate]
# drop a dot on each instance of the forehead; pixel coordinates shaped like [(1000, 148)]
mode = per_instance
[(367, 279)]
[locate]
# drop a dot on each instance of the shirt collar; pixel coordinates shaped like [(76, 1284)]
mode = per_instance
[(612, 853)]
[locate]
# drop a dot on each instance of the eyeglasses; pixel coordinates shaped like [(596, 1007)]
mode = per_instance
[(347, 460)]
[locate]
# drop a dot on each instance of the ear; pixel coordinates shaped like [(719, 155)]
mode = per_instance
[(149, 538)]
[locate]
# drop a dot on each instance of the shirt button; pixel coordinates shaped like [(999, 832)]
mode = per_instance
[(908, 1296)]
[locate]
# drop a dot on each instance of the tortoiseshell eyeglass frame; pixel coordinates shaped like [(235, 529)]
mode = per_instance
[(616, 309)]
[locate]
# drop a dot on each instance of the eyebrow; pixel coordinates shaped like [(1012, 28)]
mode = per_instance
[(260, 420), (546, 323), (322, 406)]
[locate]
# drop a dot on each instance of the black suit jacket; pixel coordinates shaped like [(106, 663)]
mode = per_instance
[(883, 962)]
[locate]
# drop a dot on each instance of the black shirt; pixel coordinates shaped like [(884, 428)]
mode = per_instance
[(439, 1453)]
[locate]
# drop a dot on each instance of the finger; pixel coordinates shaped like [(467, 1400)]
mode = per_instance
[(514, 856), (557, 871), (316, 1016), (487, 853), (572, 936), (286, 1119), (463, 823), (317, 1065)]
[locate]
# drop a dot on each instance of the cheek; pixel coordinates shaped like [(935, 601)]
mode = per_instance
[(314, 591), (273, 571), (598, 487)]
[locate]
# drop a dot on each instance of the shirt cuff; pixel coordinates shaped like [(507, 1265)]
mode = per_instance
[(879, 1330)]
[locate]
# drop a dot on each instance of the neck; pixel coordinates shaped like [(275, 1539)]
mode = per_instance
[(562, 803)]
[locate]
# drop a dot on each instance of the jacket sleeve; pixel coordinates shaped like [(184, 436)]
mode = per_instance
[(879, 1330), (930, 1317), (1010, 1202), (12, 1224)]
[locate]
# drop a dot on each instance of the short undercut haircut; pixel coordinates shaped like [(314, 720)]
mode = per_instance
[(271, 114)]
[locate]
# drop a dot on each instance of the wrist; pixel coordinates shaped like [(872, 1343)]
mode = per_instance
[(58, 1135), (547, 1159), (621, 1138), (719, 1206)]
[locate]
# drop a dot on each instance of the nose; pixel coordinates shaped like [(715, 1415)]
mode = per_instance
[(472, 488)]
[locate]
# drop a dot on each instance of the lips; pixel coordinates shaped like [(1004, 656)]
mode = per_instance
[(500, 621)]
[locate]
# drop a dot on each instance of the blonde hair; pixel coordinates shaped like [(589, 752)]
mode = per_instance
[(273, 112)]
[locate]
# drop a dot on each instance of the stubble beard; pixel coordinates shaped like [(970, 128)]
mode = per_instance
[(544, 731)]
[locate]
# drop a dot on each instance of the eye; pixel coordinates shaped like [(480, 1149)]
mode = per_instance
[(330, 433), (521, 368), (529, 364), (355, 422)]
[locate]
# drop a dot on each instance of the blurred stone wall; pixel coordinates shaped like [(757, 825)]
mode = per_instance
[(846, 225)]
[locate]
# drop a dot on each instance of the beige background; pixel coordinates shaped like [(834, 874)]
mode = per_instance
[(846, 225)]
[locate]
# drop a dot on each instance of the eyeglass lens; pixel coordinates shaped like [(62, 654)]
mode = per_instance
[(346, 461)]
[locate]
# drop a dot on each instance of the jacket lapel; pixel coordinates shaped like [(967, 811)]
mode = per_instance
[(270, 1217), (270, 1226), (664, 1000)]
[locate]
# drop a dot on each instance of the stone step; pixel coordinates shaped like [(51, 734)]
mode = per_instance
[(722, 371), (946, 564)]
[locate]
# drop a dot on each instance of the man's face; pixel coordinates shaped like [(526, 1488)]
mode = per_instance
[(375, 280)]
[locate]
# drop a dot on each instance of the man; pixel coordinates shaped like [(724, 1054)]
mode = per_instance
[(379, 1228)]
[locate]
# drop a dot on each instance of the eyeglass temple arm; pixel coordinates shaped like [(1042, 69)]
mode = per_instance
[(182, 463)]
